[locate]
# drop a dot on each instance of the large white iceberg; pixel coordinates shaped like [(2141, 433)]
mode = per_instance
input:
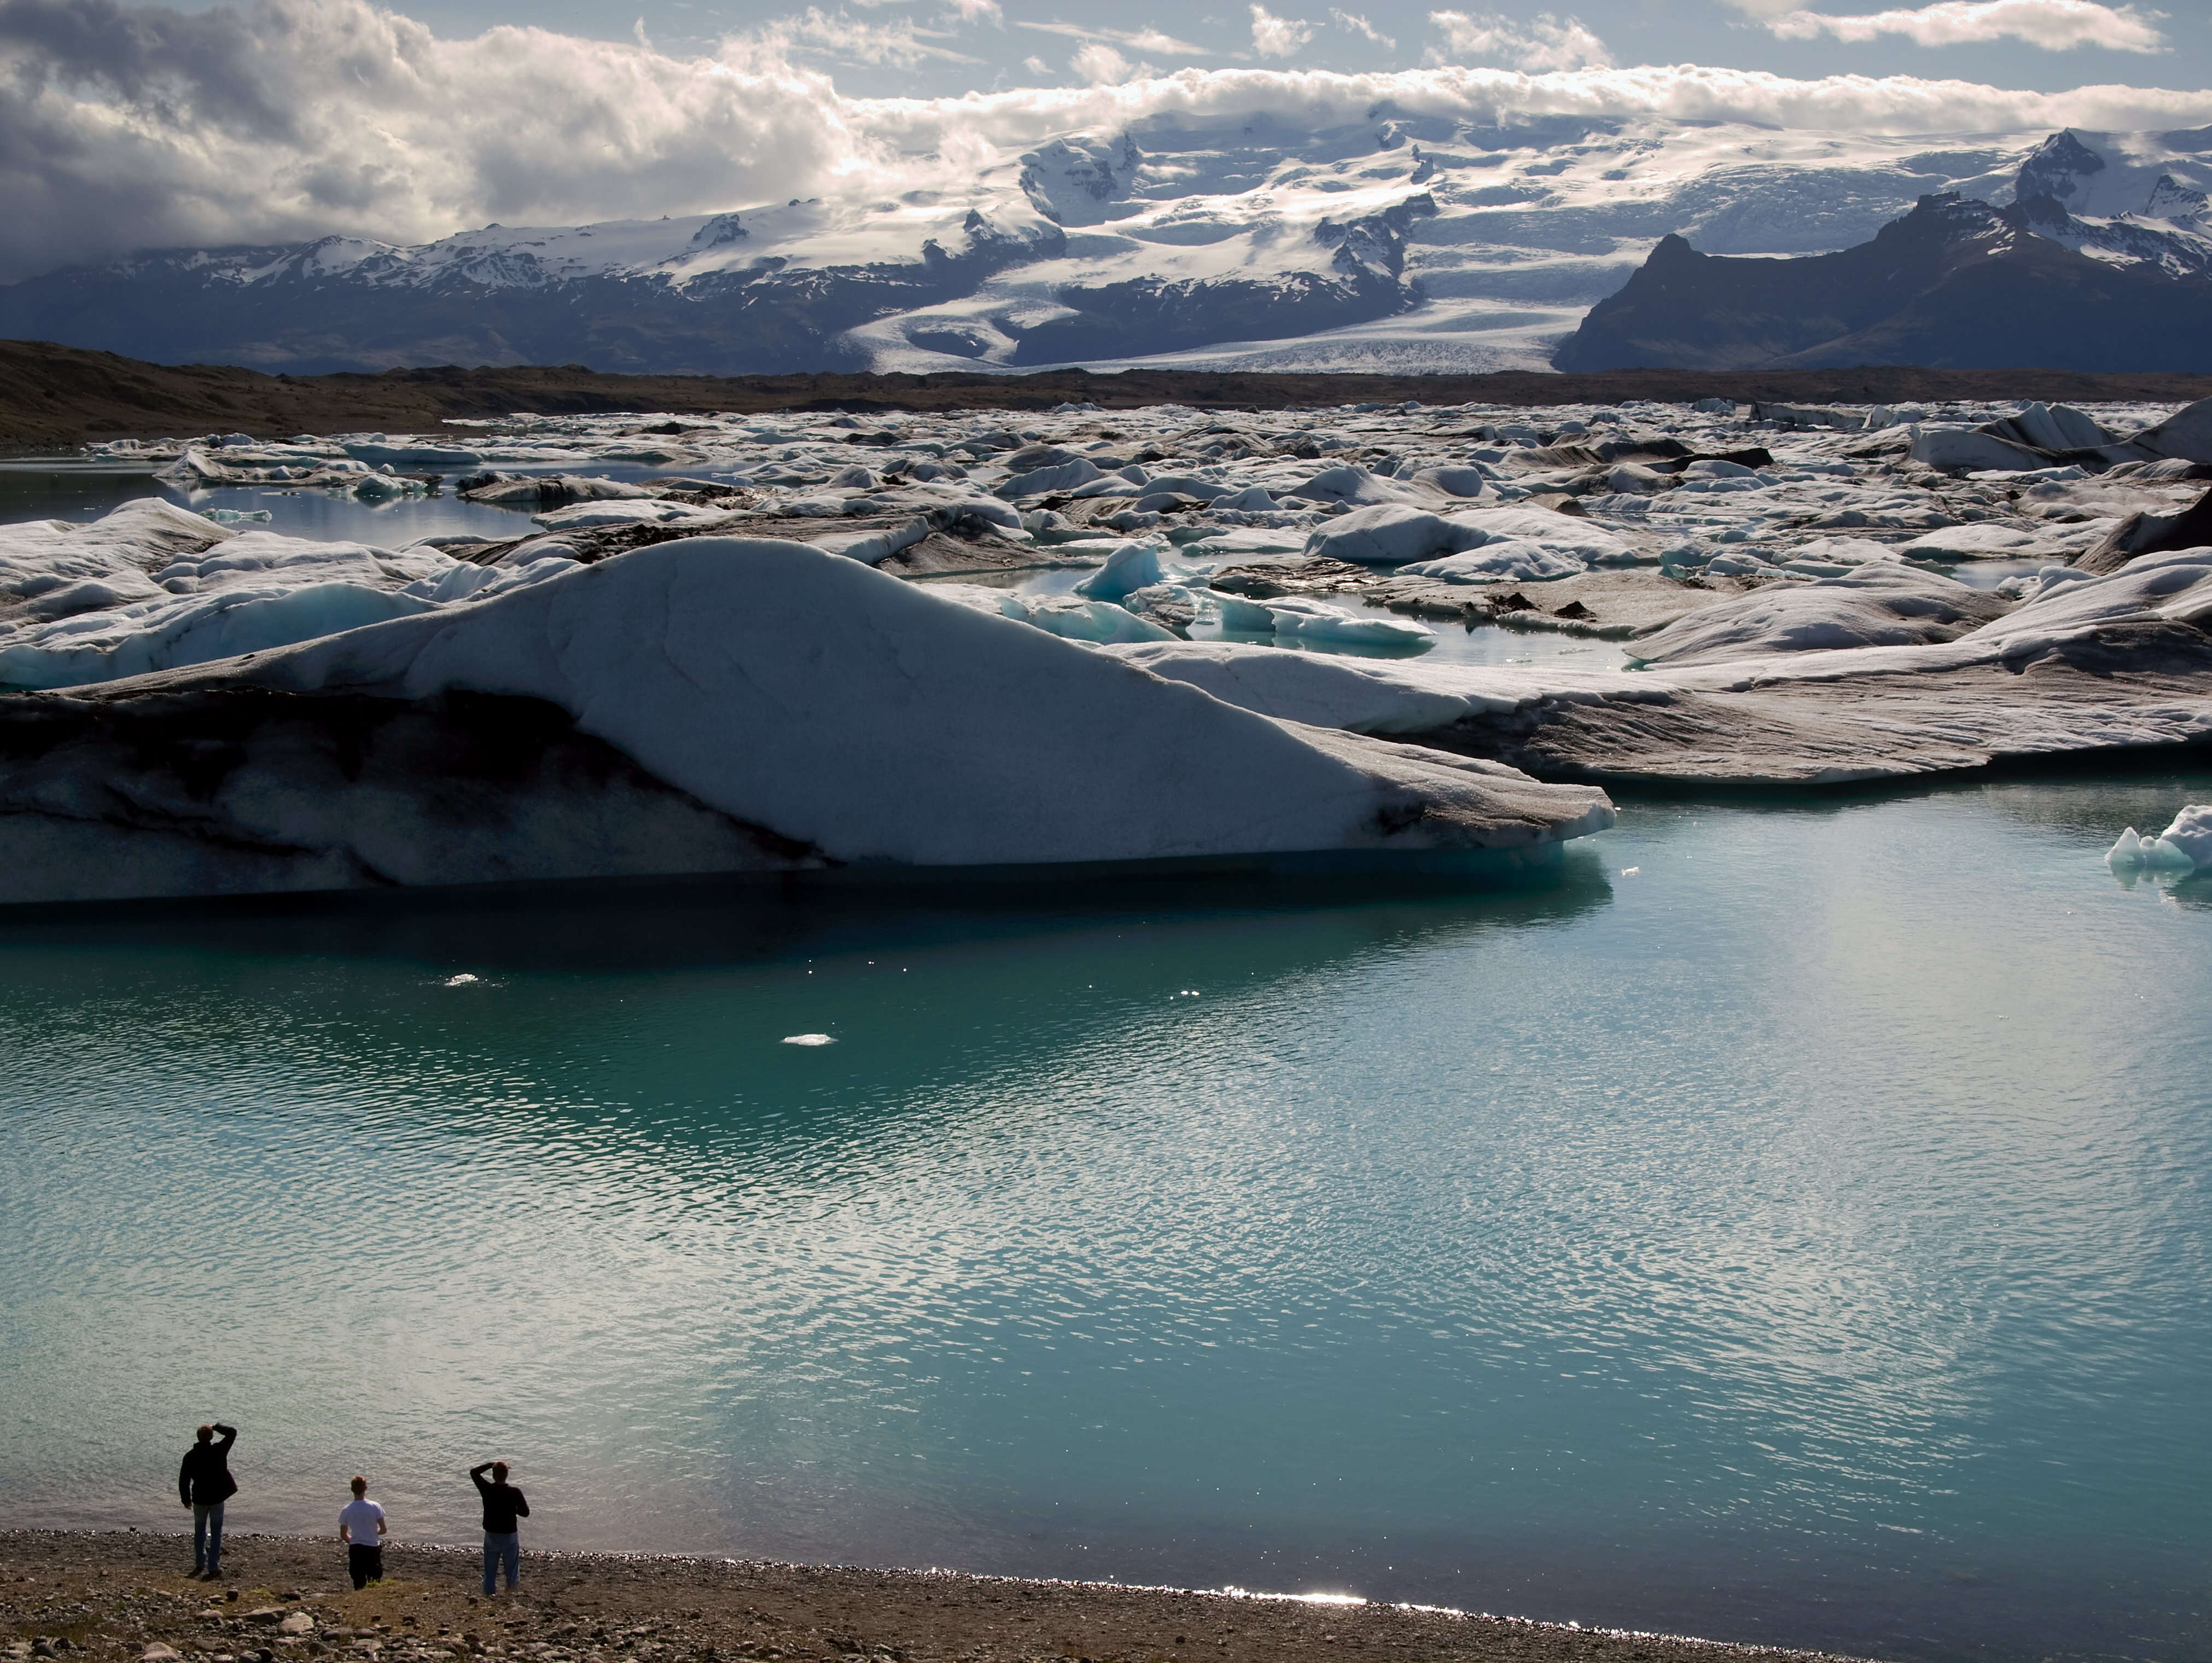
[(830, 714)]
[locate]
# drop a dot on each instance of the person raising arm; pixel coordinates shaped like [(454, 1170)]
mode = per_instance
[(503, 1504)]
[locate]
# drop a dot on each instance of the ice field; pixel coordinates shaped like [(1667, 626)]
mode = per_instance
[(827, 641)]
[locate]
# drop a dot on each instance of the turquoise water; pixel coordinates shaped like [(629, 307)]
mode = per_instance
[(1786, 1223)]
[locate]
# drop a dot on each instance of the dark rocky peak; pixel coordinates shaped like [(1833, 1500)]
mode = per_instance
[(721, 229), (2170, 199), (1955, 283), (1374, 243), (2057, 168)]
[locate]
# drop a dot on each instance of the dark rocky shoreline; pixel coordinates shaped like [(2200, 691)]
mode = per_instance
[(104, 1596), (57, 398)]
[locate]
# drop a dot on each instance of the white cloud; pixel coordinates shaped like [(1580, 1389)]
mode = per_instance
[(2054, 25), (1544, 42), (1100, 64), (1278, 37), (142, 126), (1137, 39), (1036, 65), (1359, 25), (956, 11), (850, 40)]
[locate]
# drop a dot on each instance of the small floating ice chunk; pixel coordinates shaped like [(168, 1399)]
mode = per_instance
[(464, 979), (1316, 620), (2184, 846), (808, 1040), (1131, 566), (2191, 834)]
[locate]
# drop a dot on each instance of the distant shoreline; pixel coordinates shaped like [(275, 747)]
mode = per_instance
[(56, 398), (115, 1594)]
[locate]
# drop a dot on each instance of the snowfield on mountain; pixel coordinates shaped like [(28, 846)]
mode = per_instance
[(1402, 242)]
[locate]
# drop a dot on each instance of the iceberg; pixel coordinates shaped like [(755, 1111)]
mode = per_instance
[(151, 586), (1315, 620), (1506, 560), (1128, 568), (1880, 603), (2184, 846), (1387, 534), (143, 636), (1073, 618), (704, 704)]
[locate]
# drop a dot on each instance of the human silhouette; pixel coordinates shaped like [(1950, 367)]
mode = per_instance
[(503, 1506), (203, 1484)]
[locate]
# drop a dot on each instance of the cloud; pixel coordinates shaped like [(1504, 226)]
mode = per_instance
[(954, 12), (1137, 39), (1542, 43), (1099, 63), (1278, 37), (849, 40), (1036, 65), (1359, 25), (128, 126), (2054, 25)]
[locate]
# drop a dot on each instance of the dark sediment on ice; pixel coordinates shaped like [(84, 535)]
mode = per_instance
[(120, 1595), (54, 398)]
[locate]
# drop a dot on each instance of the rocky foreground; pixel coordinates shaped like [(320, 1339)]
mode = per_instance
[(112, 1594)]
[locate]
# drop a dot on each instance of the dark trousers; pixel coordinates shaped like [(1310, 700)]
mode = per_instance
[(367, 1565)]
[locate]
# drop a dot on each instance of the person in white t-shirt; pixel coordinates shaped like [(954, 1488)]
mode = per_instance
[(361, 1527)]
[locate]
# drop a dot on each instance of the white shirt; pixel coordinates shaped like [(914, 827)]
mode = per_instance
[(360, 1518)]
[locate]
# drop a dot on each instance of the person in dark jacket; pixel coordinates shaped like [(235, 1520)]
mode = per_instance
[(203, 1484), (503, 1506)]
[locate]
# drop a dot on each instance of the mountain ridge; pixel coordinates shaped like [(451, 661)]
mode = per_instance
[(1398, 244), (1955, 284)]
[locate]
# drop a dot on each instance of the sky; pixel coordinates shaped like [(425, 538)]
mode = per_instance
[(936, 48), (126, 126)]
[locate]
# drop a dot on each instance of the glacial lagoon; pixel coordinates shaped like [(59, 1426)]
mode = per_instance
[(1785, 1221)]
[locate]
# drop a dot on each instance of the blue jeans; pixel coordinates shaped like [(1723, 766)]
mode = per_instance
[(502, 1550), (207, 1538)]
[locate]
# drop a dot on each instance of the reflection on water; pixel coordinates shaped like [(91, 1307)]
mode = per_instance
[(1451, 643), (1803, 1238), (43, 491)]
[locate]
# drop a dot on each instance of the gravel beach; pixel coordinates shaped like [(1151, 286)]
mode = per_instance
[(111, 1595)]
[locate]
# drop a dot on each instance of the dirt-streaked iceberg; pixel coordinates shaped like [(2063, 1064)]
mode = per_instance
[(709, 704)]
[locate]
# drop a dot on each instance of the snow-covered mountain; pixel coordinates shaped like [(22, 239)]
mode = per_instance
[(1956, 284), (1398, 242)]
